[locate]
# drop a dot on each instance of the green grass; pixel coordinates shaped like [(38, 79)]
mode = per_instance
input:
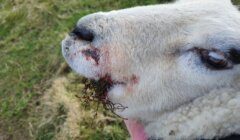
[(30, 55), (48, 130)]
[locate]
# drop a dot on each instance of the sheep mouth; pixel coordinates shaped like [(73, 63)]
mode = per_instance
[(97, 91), (102, 86)]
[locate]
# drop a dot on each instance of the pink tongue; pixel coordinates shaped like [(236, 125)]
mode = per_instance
[(136, 130)]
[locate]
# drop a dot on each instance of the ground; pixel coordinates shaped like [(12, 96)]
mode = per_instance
[(37, 90)]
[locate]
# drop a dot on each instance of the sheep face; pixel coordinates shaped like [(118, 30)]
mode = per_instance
[(158, 57)]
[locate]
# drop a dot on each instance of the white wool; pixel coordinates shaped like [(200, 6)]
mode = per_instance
[(222, 1), (214, 115)]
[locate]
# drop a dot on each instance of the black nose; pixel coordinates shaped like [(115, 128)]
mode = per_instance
[(82, 33)]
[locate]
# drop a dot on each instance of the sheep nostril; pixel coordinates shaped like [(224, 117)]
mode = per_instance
[(82, 33)]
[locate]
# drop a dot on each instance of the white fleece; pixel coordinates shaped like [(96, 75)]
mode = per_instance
[(213, 115)]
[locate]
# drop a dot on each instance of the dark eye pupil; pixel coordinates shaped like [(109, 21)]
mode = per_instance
[(235, 55)]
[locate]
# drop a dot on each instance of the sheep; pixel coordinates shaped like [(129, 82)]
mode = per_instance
[(175, 67)]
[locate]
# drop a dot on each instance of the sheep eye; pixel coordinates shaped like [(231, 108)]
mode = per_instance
[(215, 59)]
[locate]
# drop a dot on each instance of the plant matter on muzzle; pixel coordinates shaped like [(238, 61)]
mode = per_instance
[(96, 91)]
